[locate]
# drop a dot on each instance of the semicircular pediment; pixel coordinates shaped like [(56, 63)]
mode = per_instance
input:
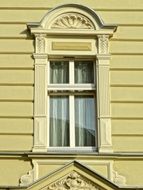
[(72, 17)]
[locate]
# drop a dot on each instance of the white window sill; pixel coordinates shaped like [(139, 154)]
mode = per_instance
[(72, 150)]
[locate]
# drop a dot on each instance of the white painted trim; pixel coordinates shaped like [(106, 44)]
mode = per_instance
[(48, 121), (72, 121), (71, 73), (70, 87), (103, 103), (71, 90)]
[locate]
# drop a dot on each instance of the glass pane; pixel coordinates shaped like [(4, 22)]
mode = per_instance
[(84, 72), (85, 121), (59, 121), (59, 72)]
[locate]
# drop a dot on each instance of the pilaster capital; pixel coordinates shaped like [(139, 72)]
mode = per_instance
[(40, 43), (40, 58), (103, 44), (103, 57)]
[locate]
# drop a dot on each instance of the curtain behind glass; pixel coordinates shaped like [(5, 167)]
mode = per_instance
[(84, 121), (59, 121), (84, 72), (59, 72)]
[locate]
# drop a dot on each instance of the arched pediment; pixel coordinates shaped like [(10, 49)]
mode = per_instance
[(72, 17)]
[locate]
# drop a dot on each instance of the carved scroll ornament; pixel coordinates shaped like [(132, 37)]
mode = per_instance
[(72, 21), (73, 181)]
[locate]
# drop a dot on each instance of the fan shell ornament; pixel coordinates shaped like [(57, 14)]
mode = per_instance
[(72, 21)]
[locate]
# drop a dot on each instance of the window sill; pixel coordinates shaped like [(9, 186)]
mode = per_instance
[(72, 150)]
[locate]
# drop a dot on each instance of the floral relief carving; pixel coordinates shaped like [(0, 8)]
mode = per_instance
[(72, 21), (40, 44), (73, 181), (103, 42)]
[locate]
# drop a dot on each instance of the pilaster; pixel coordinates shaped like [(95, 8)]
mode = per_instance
[(103, 95), (40, 106)]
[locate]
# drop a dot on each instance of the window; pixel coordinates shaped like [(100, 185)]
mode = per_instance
[(76, 31), (71, 104)]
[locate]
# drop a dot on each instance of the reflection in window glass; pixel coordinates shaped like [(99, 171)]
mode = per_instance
[(59, 121), (84, 121), (84, 72), (59, 72)]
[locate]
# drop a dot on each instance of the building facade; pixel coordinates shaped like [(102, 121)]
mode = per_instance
[(71, 97)]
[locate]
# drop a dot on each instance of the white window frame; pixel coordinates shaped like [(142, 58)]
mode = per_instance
[(90, 40), (71, 86), (71, 89)]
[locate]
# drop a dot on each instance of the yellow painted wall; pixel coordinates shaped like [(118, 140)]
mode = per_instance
[(126, 47), (12, 169), (17, 78)]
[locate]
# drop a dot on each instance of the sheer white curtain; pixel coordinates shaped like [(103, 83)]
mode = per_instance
[(84, 72), (59, 121), (84, 106), (59, 106), (85, 120), (59, 72)]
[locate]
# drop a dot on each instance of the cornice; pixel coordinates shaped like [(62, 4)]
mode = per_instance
[(51, 32), (98, 156)]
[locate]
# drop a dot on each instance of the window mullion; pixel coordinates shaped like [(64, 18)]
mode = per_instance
[(71, 72), (71, 107), (48, 122), (48, 72), (72, 121)]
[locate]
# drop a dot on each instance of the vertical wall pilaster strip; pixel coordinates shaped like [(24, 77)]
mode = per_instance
[(103, 95), (40, 97)]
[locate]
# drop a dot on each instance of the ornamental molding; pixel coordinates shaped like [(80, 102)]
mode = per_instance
[(118, 179), (72, 21), (73, 176), (103, 43), (27, 179), (40, 43), (71, 16), (73, 181)]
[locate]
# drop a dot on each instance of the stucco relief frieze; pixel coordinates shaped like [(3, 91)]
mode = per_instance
[(72, 21), (73, 181)]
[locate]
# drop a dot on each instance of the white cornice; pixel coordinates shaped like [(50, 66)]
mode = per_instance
[(86, 32)]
